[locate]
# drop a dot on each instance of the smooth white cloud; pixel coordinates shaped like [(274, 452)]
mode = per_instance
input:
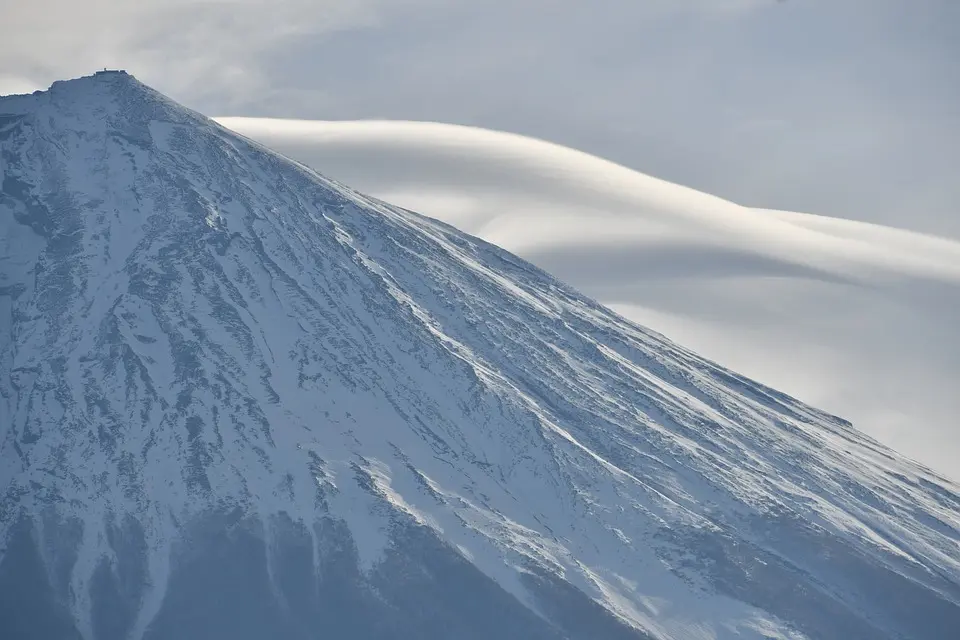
[(845, 107), (855, 318)]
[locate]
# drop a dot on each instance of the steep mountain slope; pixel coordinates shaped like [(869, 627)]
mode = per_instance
[(239, 400), (741, 286)]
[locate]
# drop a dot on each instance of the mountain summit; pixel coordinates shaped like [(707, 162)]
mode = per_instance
[(239, 400)]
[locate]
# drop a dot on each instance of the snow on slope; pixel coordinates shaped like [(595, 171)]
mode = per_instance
[(852, 317), (191, 320)]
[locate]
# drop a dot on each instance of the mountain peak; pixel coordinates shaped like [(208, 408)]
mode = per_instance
[(98, 79), (239, 400), (103, 75), (112, 95)]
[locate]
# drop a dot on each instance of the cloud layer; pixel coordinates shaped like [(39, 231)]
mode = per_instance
[(844, 107), (855, 318)]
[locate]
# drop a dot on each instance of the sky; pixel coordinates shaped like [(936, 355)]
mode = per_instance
[(842, 108), (849, 108)]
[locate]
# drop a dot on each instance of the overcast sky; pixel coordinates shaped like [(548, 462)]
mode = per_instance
[(842, 107)]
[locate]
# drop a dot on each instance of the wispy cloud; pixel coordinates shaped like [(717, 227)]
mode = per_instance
[(194, 48)]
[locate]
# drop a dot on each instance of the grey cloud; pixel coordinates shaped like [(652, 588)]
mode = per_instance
[(841, 107)]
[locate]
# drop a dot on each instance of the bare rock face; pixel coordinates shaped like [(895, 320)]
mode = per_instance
[(239, 400)]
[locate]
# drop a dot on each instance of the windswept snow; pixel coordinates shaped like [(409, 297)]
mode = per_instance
[(200, 325), (852, 317)]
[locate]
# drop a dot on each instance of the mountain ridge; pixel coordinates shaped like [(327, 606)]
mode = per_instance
[(200, 331)]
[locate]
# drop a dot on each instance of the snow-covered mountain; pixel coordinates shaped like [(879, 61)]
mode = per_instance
[(239, 400), (865, 314)]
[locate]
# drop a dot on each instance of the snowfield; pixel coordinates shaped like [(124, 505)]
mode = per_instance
[(239, 399), (852, 317)]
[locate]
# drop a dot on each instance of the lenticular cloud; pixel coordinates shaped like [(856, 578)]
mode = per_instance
[(852, 317)]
